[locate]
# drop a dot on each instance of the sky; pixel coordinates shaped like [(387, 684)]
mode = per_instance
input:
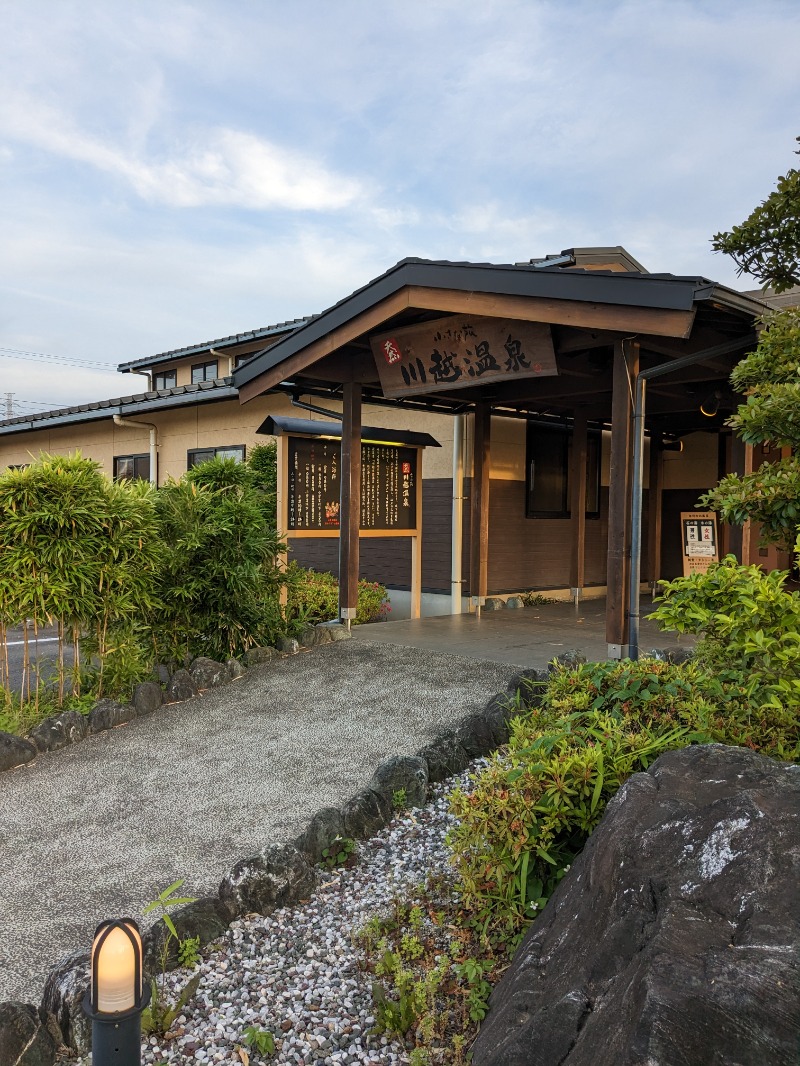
[(172, 173)]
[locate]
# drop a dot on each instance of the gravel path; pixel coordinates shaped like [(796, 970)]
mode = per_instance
[(96, 830)]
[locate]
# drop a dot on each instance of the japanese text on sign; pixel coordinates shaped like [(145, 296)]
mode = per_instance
[(459, 351), (388, 485)]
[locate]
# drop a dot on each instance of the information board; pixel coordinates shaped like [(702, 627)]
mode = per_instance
[(700, 542), (388, 486)]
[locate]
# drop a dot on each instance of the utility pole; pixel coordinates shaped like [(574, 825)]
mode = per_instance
[(9, 405)]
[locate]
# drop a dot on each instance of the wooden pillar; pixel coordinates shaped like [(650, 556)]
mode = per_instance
[(350, 502), (626, 367), (655, 509), (577, 504), (479, 504)]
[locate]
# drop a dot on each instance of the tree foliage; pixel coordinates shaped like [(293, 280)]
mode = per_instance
[(770, 377), (767, 244)]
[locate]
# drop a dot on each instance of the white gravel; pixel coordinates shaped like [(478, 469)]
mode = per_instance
[(296, 972)]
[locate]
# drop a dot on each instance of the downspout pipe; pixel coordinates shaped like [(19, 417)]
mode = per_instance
[(456, 541), (640, 396), (120, 421)]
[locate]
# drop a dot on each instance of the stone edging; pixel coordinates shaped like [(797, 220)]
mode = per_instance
[(70, 727)]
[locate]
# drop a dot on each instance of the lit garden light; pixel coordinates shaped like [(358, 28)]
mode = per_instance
[(117, 995)]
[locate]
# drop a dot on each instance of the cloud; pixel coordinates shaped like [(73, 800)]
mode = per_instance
[(219, 167)]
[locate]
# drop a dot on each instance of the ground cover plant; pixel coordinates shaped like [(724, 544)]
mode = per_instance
[(313, 597)]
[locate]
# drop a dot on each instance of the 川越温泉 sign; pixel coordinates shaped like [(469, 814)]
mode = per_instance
[(460, 351), (388, 485)]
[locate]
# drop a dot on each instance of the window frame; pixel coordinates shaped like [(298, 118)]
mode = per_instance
[(536, 429), (136, 458), (163, 374), (204, 368), (215, 453)]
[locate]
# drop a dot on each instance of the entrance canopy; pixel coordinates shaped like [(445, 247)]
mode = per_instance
[(543, 340)]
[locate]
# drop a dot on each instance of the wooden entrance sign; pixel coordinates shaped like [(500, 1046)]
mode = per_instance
[(700, 541), (461, 351)]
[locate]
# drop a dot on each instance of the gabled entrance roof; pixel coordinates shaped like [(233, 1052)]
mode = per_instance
[(587, 311)]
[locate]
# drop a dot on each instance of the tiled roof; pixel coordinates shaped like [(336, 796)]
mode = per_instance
[(221, 342), (142, 403)]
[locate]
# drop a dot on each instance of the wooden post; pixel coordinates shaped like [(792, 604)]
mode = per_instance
[(577, 504), (282, 507), (655, 509), (479, 505), (626, 367), (350, 502), (416, 548), (747, 528)]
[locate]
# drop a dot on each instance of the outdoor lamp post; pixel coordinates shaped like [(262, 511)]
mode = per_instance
[(117, 995)]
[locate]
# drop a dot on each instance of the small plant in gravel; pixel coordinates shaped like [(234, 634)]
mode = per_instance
[(159, 1015), (260, 1040), (399, 799), (339, 852)]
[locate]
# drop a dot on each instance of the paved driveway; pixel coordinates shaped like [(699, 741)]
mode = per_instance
[(96, 830)]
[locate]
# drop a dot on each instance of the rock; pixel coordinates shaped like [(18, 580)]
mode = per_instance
[(147, 697), (675, 937), (255, 656), (514, 603), (278, 876), (64, 990), (58, 731), (475, 736), (365, 814), (24, 1040), (445, 756), (206, 918), (235, 669), (402, 773), (313, 635), (207, 673), (320, 833), (499, 713), (181, 687), (570, 659), (14, 751), (526, 682), (289, 646), (493, 603), (337, 630), (324, 633), (676, 653), (106, 714), (163, 673)]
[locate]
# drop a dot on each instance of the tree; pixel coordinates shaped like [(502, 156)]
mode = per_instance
[(767, 243)]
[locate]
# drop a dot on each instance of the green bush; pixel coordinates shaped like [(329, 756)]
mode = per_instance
[(314, 597), (750, 633), (532, 809)]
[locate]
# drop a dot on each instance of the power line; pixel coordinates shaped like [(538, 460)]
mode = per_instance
[(19, 353)]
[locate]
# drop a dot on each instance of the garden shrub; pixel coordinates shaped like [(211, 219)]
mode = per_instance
[(314, 597), (219, 580), (535, 804)]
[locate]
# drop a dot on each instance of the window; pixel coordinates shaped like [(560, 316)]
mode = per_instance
[(549, 450), (131, 467), (202, 455), (241, 359), (204, 371), (167, 379)]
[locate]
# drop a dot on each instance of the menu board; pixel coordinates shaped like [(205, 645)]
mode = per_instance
[(388, 485)]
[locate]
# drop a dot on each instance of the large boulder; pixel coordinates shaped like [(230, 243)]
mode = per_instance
[(62, 1000), (444, 756), (206, 918), (14, 751), (325, 826), (277, 877), (147, 697), (56, 732), (256, 656), (106, 714), (208, 673), (366, 813), (24, 1040), (675, 938), (180, 687)]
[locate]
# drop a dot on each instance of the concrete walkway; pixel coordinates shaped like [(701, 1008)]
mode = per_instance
[(530, 635), (97, 830)]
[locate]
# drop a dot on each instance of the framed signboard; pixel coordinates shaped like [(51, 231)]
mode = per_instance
[(389, 480), (700, 541), (460, 351)]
